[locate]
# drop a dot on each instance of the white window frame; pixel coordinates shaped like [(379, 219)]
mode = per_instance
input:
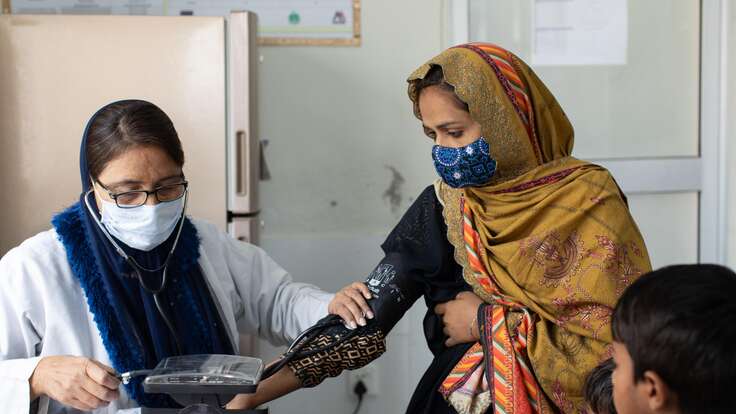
[(705, 174)]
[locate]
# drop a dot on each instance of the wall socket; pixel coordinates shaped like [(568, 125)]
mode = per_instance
[(369, 375)]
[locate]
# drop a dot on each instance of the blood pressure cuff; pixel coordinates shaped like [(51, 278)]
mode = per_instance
[(332, 348), (393, 290)]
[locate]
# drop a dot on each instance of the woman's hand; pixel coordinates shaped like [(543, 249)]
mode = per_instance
[(459, 317), (350, 303), (76, 382), (242, 402)]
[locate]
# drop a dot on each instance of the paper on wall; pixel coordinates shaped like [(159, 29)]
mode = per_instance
[(580, 32), (99, 7)]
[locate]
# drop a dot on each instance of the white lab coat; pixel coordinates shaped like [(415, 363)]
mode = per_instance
[(43, 310)]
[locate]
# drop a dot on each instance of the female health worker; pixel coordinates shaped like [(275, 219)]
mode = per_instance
[(125, 279)]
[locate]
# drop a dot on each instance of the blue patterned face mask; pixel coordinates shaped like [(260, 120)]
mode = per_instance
[(469, 166)]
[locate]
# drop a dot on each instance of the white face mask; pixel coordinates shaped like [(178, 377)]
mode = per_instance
[(143, 227)]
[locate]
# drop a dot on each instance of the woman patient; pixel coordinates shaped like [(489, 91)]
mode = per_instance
[(520, 252)]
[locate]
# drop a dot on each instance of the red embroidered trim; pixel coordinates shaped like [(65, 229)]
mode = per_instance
[(553, 178), (507, 88)]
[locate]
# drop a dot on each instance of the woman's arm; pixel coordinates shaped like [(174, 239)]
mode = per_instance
[(277, 307), (333, 347), (281, 383), (327, 355), (416, 252), (19, 332), (268, 302), (24, 377)]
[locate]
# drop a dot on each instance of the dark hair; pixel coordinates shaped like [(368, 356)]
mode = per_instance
[(680, 322), (126, 124), (598, 388), (435, 77)]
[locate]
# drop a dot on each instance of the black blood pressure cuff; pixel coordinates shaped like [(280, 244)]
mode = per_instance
[(393, 291), (328, 348)]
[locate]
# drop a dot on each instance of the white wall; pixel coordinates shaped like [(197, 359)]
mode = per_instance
[(347, 157), (731, 135)]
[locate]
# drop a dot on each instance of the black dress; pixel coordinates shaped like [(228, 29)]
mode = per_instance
[(419, 261)]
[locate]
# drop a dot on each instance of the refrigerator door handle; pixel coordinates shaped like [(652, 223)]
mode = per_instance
[(241, 156)]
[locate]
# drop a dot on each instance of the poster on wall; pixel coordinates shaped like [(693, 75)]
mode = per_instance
[(98, 7), (580, 32), (280, 22)]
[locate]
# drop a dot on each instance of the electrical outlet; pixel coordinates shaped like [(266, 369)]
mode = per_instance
[(369, 376)]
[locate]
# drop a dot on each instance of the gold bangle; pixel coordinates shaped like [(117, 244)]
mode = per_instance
[(470, 329)]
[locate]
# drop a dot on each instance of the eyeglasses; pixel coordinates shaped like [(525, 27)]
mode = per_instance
[(137, 198)]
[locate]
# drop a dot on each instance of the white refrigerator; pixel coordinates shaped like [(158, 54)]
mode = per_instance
[(56, 71)]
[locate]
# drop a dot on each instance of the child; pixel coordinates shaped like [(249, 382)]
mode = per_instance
[(598, 389), (674, 334)]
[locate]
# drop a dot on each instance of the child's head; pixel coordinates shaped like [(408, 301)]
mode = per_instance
[(598, 389), (674, 333)]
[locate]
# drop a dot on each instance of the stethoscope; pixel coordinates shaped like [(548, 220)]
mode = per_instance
[(137, 268)]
